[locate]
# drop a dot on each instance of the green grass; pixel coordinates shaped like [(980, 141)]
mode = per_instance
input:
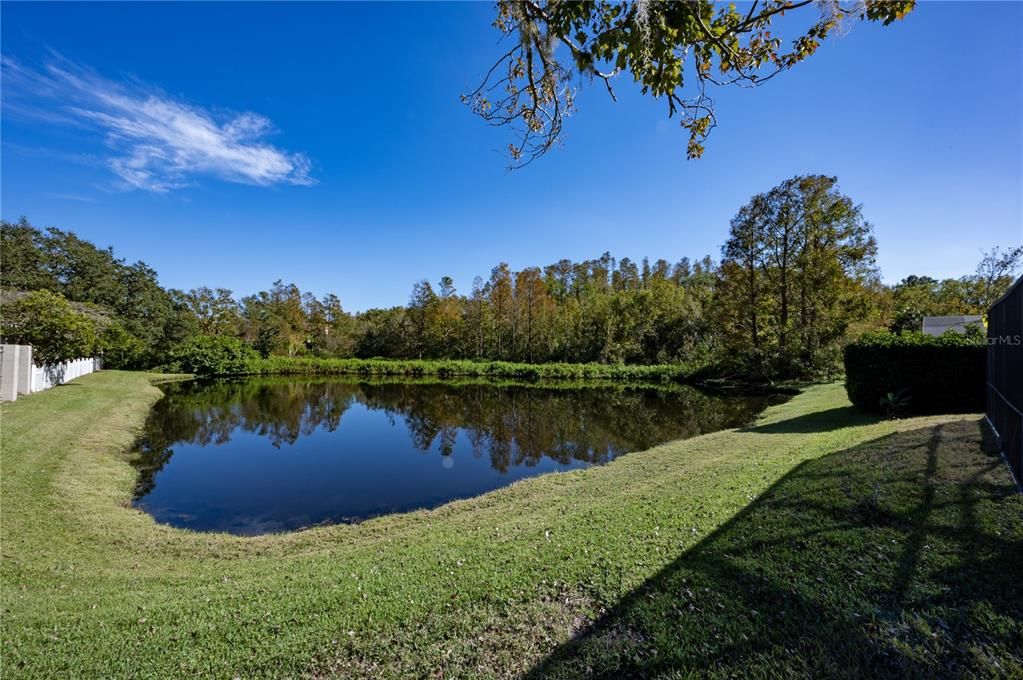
[(897, 558), (821, 541)]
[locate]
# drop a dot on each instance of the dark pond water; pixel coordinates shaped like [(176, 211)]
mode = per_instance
[(275, 454)]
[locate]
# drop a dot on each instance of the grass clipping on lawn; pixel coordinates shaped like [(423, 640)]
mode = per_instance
[(821, 541)]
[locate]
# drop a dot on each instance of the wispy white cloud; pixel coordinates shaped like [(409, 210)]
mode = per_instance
[(156, 142), (71, 197)]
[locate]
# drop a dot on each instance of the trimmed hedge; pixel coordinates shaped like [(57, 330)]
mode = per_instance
[(942, 374)]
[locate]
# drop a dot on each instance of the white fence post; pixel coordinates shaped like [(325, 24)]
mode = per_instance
[(20, 375), (9, 372), (25, 369)]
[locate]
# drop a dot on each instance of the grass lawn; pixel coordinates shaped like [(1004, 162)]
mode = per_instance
[(820, 542)]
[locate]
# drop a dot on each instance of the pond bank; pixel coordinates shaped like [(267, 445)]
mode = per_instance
[(500, 370), (267, 454), (514, 372), (495, 586)]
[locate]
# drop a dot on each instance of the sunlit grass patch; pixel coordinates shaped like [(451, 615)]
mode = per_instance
[(495, 586)]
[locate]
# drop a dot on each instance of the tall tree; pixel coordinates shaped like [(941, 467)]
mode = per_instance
[(500, 291), (421, 310), (274, 320), (834, 268), (446, 319), (477, 320), (215, 311), (913, 298), (25, 265), (995, 274), (534, 306), (802, 243), (61, 262), (338, 337), (741, 300)]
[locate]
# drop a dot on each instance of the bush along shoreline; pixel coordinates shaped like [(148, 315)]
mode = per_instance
[(224, 356), (451, 368), (227, 357)]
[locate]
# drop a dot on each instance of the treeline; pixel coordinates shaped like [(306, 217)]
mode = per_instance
[(600, 310), (83, 299), (796, 281)]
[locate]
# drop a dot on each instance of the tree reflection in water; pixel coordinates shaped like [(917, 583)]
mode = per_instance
[(513, 426)]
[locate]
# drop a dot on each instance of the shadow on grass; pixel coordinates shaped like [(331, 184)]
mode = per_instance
[(895, 558), (818, 421)]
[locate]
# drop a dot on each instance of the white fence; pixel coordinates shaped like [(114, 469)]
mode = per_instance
[(19, 376), (51, 375)]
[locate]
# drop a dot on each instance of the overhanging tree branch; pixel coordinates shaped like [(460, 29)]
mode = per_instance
[(658, 43)]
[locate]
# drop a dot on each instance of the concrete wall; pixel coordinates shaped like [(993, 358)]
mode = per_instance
[(19, 375), (9, 365), (25, 367)]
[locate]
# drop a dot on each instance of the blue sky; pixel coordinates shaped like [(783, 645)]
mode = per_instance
[(325, 144)]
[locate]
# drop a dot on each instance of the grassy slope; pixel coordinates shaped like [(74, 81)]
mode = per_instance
[(492, 586), (897, 558)]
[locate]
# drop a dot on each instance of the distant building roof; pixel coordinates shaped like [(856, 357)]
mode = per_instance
[(936, 325)]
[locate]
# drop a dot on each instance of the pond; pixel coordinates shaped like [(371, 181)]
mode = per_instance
[(276, 454)]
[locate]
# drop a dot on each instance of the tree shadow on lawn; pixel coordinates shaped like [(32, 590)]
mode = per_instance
[(899, 557), (818, 421)]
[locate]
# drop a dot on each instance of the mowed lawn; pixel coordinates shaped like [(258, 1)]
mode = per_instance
[(820, 542)]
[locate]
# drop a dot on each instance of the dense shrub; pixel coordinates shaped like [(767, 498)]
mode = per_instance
[(215, 355), (120, 348), (917, 373), (48, 322), (446, 368)]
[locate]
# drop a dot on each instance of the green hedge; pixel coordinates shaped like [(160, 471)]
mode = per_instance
[(229, 356), (449, 368), (927, 374), (214, 355)]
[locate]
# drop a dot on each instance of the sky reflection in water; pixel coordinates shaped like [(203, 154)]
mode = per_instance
[(274, 454)]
